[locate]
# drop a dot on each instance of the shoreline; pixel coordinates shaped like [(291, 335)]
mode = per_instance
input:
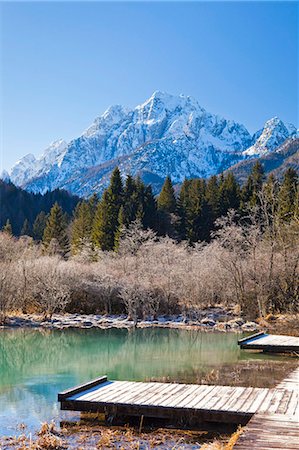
[(212, 321)]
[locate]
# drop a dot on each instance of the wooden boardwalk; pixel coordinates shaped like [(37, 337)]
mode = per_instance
[(275, 429), (201, 403), (270, 343)]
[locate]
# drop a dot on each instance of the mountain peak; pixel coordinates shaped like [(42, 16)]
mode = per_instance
[(4, 175), (274, 133), (167, 134)]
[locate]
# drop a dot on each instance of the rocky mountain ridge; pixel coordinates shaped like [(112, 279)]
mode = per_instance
[(165, 135)]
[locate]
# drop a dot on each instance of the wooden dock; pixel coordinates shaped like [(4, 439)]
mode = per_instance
[(275, 430), (177, 402), (270, 343)]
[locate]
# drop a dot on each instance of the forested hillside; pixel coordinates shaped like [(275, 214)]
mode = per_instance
[(188, 215), (21, 208)]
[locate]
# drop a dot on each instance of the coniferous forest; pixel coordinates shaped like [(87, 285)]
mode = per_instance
[(208, 242), (185, 214)]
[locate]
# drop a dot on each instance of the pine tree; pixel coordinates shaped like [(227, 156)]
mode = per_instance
[(149, 205), (39, 226), (56, 229), (183, 205), (26, 229), (131, 201), (199, 212), (288, 193), (81, 225), (105, 222), (92, 203), (7, 228), (167, 218), (166, 199), (229, 192), (253, 186), (120, 228), (212, 198)]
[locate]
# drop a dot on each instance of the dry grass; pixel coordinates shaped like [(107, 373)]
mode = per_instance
[(217, 445), (121, 438), (48, 438)]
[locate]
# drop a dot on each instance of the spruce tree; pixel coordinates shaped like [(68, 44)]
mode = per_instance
[(39, 226), (149, 205), (288, 193), (7, 228), (166, 199), (166, 202), (229, 193), (56, 229), (105, 222), (81, 225), (199, 212), (131, 200), (212, 198), (26, 229), (183, 205), (253, 186), (120, 228), (92, 203)]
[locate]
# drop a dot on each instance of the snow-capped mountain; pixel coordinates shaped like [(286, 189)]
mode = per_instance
[(29, 167), (166, 135), (274, 133)]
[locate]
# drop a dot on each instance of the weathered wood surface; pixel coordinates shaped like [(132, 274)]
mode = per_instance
[(275, 428), (81, 387), (291, 382), (169, 400), (270, 342), (270, 432)]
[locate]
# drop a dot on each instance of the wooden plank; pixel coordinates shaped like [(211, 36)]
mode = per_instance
[(82, 387), (273, 343), (109, 389), (224, 404), (252, 336)]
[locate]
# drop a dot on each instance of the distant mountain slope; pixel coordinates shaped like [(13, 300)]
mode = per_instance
[(276, 162), (165, 135)]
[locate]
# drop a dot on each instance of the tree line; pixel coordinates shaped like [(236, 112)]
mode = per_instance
[(25, 213), (187, 215)]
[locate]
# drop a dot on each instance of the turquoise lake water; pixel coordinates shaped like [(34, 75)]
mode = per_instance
[(36, 364)]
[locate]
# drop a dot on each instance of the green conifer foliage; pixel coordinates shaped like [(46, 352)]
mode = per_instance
[(199, 213), (56, 229), (288, 195), (39, 226), (81, 226), (92, 203), (149, 206), (120, 228), (166, 199), (213, 197), (105, 222), (26, 229), (183, 205), (253, 186), (229, 193), (130, 202)]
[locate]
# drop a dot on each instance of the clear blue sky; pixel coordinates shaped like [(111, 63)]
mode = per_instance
[(65, 63)]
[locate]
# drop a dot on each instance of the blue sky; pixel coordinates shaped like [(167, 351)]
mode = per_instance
[(63, 64)]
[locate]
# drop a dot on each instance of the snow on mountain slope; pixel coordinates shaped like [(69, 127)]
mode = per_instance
[(274, 133), (165, 135), (28, 166), (275, 162)]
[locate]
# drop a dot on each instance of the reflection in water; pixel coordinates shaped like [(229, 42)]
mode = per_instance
[(35, 365)]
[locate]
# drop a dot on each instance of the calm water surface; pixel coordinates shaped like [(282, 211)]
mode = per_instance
[(35, 365)]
